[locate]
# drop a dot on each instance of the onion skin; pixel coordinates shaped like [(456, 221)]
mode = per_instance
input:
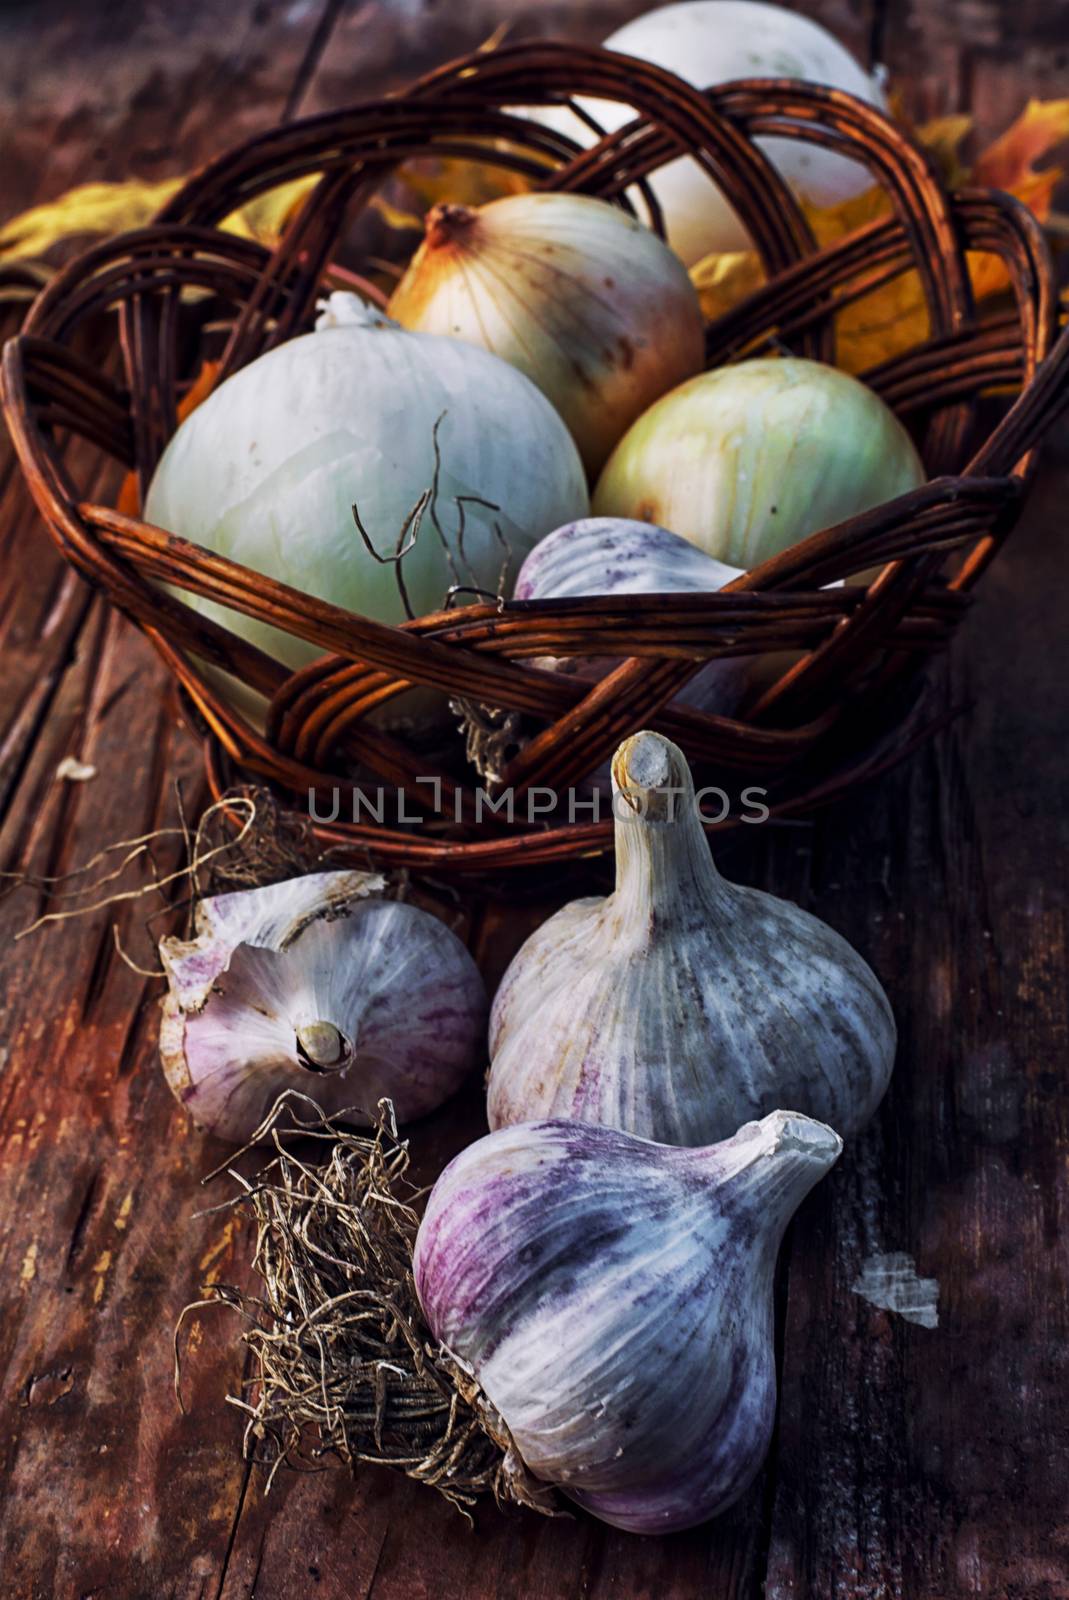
[(747, 460), (267, 470), (586, 302), (613, 1298), (711, 42)]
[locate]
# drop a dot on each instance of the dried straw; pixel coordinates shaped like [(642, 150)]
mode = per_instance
[(343, 1363)]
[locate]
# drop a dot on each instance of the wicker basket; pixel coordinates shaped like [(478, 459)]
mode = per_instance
[(827, 721)]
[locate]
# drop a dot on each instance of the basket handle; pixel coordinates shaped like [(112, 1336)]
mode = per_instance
[(1032, 415)]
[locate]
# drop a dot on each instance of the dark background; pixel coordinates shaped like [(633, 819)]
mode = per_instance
[(928, 1464)]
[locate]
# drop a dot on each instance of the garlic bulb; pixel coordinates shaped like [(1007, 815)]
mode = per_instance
[(612, 555), (681, 1005), (712, 42), (585, 301), (268, 469), (311, 985), (613, 1298), (749, 459)]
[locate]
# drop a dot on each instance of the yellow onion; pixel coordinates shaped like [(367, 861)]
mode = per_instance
[(747, 460), (585, 301)]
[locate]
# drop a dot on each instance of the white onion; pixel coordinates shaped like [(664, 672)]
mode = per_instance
[(710, 42), (747, 460), (591, 305), (267, 470)]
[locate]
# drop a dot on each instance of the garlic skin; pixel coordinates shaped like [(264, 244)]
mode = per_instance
[(311, 985), (584, 300), (613, 1298), (616, 555), (681, 1005)]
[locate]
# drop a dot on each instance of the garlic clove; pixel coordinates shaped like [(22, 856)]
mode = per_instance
[(617, 555), (682, 1005), (311, 985), (613, 1298)]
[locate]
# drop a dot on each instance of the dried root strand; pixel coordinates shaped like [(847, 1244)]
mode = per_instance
[(461, 573), (491, 736), (343, 1364), (242, 841), (276, 845)]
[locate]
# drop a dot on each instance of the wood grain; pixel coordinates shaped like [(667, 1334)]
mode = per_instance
[(925, 1463)]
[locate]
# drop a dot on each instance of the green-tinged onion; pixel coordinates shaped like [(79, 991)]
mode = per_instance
[(362, 413), (747, 460)]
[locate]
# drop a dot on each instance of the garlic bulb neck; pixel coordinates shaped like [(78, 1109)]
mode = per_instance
[(681, 1005), (449, 225), (769, 1167), (664, 872), (323, 1047)]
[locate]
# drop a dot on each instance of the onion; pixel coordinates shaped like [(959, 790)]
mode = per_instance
[(268, 469), (589, 304), (709, 42), (747, 460)]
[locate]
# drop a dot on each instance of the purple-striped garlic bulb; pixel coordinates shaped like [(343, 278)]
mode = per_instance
[(613, 1299), (618, 556), (315, 986), (681, 1005)]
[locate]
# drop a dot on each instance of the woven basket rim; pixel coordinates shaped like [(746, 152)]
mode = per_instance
[(482, 652)]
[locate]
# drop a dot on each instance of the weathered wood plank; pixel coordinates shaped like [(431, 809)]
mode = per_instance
[(909, 1461), (104, 1487), (146, 91), (934, 1461)]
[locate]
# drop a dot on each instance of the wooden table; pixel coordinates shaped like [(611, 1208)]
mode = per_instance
[(908, 1461)]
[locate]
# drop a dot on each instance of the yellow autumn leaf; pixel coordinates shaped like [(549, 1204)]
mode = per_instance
[(434, 180), (264, 218), (91, 208), (895, 317), (725, 279), (105, 209), (943, 138), (395, 216)]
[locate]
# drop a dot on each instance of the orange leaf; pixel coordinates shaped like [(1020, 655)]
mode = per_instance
[(199, 389), (1011, 160), (893, 318), (129, 499)]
